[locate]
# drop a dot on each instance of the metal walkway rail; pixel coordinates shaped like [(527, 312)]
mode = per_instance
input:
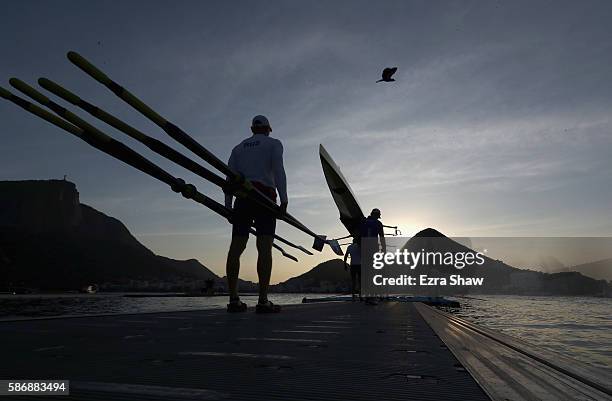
[(334, 351)]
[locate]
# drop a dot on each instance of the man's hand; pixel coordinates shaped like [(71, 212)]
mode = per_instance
[(230, 215), (228, 201), (283, 208), (228, 206)]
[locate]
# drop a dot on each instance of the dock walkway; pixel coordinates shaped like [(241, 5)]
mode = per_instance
[(508, 368), (332, 351), (325, 351)]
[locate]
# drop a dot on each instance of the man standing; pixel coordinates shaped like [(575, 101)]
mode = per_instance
[(260, 160), (371, 227), (372, 231), (354, 251)]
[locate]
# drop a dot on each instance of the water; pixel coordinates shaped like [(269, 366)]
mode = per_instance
[(38, 305), (580, 328), (577, 327)]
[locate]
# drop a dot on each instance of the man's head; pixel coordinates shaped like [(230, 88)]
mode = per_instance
[(260, 125), (375, 213)]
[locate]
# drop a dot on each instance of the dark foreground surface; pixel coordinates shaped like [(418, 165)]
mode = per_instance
[(333, 351)]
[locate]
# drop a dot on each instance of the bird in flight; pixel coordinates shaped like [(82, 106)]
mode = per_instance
[(387, 74)]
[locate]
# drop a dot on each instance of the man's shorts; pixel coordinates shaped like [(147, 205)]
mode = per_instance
[(248, 213)]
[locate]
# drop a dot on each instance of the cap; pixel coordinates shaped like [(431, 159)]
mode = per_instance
[(260, 121), (375, 212)]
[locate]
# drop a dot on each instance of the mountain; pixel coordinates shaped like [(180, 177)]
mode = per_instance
[(600, 270), (499, 277), (328, 276), (50, 241)]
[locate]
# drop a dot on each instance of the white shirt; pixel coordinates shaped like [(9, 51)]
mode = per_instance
[(354, 252), (260, 158)]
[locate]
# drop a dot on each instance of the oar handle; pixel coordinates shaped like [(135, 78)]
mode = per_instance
[(40, 112), (152, 143), (120, 91), (285, 254)]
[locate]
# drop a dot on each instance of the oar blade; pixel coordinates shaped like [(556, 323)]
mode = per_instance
[(335, 246), (319, 242)]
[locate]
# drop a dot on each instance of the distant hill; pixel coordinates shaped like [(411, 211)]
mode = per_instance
[(50, 241), (499, 277), (328, 276), (600, 270)]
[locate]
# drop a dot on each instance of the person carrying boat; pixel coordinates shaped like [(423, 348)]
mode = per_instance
[(373, 236), (371, 227), (259, 159), (354, 251)]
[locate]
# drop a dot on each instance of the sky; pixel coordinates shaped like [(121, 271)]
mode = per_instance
[(498, 124)]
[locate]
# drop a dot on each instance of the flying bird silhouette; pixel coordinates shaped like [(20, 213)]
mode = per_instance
[(387, 74)]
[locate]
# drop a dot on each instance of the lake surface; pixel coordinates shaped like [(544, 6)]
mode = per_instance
[(577, 327), (37, 305)]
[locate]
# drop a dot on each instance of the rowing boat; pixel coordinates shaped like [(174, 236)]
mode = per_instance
[(351, 214)]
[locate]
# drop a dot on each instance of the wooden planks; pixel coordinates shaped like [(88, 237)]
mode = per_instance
[(508, 368), (348, 351)]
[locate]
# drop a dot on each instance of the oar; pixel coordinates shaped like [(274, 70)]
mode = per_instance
[(182, 137), (114, 148), (397, 231), (345, 237), (152, 143)]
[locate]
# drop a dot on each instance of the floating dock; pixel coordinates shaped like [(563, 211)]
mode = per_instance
[(326, 351)]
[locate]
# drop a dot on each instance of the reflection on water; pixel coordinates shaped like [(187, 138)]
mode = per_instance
[(18, 306), (578, 327)]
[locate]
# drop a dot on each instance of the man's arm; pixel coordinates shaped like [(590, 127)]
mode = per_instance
[(346, 255), (280, 178), (381, 234)]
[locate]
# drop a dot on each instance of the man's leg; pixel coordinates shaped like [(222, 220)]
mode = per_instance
[(264, 265), (232, 268), (358, 280)]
